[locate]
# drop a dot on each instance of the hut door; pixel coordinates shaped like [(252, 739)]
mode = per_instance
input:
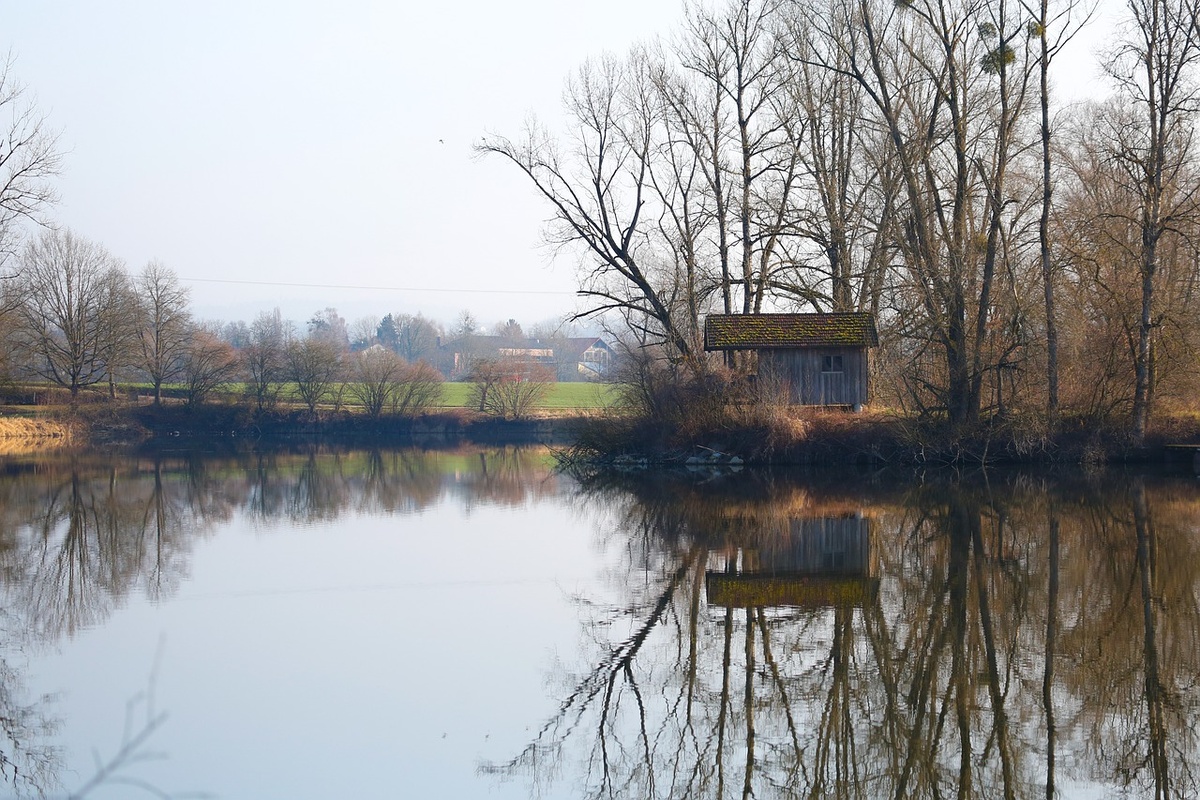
[(833, 380)]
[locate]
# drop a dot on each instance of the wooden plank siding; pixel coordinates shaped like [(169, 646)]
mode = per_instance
[(803, 377)]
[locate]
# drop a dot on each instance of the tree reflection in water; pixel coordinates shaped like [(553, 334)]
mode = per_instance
[(1005, 638), (79, 535)]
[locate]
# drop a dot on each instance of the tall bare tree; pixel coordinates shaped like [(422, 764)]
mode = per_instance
[(263, 360), (946, 84), (164, 324), (1154, 70), (65, 289), (751, 144), (29, 161), (848, 211), (599, 193), (119, 327), (1054, 25)]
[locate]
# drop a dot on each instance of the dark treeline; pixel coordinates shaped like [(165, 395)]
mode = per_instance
[(906, 158)]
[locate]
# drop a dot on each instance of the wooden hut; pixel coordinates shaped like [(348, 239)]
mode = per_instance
[(808, 359)]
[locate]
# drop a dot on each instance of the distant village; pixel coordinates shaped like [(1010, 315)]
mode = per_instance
[(568, 358), (454, 352)]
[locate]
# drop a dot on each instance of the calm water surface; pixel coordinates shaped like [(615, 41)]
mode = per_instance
[(393, 624)]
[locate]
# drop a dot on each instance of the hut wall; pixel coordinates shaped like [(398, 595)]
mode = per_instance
[(819, 376)]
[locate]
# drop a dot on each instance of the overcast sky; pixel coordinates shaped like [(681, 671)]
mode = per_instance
[(257, 146)]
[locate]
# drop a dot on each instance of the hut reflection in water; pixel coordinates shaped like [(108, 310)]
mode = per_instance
[(808, 563)]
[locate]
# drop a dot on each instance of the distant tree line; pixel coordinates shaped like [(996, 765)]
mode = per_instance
[(73, 317), (906, 158)]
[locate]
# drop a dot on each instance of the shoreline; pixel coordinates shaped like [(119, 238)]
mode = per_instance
[(596, 441)]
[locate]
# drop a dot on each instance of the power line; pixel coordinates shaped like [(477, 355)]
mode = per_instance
[(462, 290)]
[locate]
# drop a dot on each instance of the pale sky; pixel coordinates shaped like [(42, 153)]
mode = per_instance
[(323, 143)]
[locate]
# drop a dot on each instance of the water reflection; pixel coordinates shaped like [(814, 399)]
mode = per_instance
[(1005, 639), (80, 535), (761, 635)]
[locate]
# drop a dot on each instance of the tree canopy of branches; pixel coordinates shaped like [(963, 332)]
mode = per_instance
[(29, 161), (313, 364), (880, 156), (67, 288), (164, 324), (508, 387), (207, 363)]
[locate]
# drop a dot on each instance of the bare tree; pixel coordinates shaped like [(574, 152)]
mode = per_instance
[(119, 324), (848, 206), (208, 362), (330, 327), (736, 53), (374, 373), (509, 387), (363, 333), (418, 387), (948, 88), (1054, 26), (598, 194), (29, 160), (1100, 234), (164, 324), (484, 376), (65, 286), (416, 337), (263, 360), (314, 365), (1154, 70)]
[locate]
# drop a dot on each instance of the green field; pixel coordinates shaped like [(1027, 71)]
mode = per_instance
[(562, 396), (583, 396)]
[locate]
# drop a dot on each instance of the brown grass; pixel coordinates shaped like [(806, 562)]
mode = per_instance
[(24, 435)]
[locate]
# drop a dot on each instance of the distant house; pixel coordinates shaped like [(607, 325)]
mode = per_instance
[(570, 359), (584, 358), (809, 359)]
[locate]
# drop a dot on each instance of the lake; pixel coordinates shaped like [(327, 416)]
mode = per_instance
[(322, 622)]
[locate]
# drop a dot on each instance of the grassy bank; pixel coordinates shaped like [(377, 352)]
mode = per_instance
[(20, 435)]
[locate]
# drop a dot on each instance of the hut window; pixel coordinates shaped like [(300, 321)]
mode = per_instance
[(831, 364)]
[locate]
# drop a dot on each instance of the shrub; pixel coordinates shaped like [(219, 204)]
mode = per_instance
[(509, 387), (417, 387)]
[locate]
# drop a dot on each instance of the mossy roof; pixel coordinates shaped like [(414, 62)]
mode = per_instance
[(767, 331)]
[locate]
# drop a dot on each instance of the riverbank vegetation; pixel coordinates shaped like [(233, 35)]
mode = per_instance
[(719, 419)]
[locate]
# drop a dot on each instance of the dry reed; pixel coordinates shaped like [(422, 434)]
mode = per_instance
[(22, 435)]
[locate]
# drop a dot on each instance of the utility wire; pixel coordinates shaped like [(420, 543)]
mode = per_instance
[(461, 290)]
